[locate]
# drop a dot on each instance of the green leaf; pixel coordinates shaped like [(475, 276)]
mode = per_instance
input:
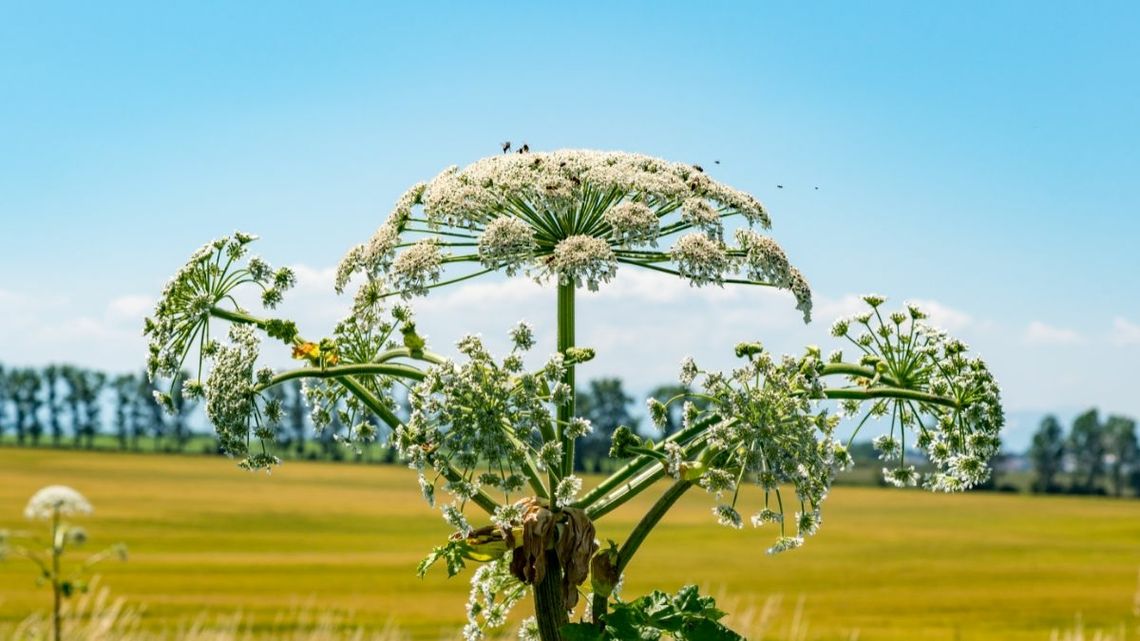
[(581, 632), (413, 341), (451, 553), (283, 330), (707, 630)]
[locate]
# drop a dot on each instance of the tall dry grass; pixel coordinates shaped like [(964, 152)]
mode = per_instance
[(97, 616)]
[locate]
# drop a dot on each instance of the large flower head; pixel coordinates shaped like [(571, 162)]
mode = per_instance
[(56, 500), (572, 217), (901, 350)]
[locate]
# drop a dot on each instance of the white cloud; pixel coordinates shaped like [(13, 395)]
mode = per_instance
[(131, 308), (1125, 332), (944, 316), (1043, 334)]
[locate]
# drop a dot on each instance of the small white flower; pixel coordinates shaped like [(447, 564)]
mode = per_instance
[(785, 543), (633, 222), (701, 259), (567, 490), (417, 267), (726, 515), (506, 242), (583, 259), (689, 371)]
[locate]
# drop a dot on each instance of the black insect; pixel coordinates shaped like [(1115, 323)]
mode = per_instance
[(506, 146), (817, 188), (717, 162), (779, 186), (699, 168), (525, 149)]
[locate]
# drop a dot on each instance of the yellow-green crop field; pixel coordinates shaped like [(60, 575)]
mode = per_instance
[(887, 565)]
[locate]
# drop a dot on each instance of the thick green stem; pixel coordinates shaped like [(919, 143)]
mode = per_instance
[(481, 498), (549, 604), (565, 342), (236, 317), (342, 371), (639, 463), (649, 521), (850, 369), (889, 392), (57, 589)]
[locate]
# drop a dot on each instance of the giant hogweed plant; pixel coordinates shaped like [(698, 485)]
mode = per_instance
[(493, 442)]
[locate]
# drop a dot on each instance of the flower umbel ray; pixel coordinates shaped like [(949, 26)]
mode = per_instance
[(571, 217)]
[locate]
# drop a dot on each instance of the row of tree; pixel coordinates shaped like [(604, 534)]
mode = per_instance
[(1095, 457), (66, 405), (69, 406)]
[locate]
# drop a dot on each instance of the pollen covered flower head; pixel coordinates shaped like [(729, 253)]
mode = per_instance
[(570, 217)]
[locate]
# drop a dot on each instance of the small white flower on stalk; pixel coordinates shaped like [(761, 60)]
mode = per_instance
[(785, 543), (901, 476), (417, 267), (701, 214), (689, 371), (726, 515), (56, 499), (633, 222), (507, 243), (567, 490), (579, 260), (578, 427), (701, 259), (766, 516)]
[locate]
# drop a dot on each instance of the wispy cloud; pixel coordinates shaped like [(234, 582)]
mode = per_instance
[(1124, 332), (944, 316), (1044, 334)]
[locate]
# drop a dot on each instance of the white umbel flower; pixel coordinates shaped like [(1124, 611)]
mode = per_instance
[(506, 242), (701, 259), (582, 260), (56, 499), (633, 222), (417, 267)]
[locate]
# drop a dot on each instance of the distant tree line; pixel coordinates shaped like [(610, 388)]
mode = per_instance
[(1095, 457), (76, 407)]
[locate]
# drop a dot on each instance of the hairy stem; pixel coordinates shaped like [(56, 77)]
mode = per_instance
[(565, 342), (889, 392), (650, 521), (481, 498), (639, 463), (57, 589), (549, 604)]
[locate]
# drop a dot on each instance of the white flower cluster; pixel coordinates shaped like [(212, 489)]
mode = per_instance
[(494, 591), (572, 215), (56, 500), (231, 399), (701, 259), (580, 259), (468, 196), (903, 351), (181, 316), (632, 222), (483, 418), (506, 243), (417, 267), (765, 427)]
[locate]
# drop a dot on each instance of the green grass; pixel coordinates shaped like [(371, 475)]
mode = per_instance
[(891, 564)]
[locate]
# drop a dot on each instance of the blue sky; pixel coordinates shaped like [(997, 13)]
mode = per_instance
[(981, 156)]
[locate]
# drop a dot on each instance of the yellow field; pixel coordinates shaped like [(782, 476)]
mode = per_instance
[(891, 565)]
